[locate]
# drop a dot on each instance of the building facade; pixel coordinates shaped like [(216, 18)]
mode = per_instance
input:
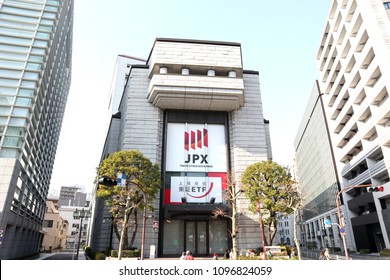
[(70, 200), (72, 196), (54, 227), (195, 111), (317, 176), (35, 75), (102, 236), (354, 78), (73, 234)]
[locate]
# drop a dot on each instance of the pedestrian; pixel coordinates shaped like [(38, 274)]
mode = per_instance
[(227, 254), (215, 257), (327, 255), (269, 254), (322, 255), (183, 256), (189, 256), (293, 252)]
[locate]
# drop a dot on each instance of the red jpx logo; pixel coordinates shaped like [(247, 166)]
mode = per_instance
[(196, 140)]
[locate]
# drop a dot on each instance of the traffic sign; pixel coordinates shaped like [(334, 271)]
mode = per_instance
[(327, 222), (342, 230)]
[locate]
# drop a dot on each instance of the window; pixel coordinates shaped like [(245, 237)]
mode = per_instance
[(387, 5), (48, 223)]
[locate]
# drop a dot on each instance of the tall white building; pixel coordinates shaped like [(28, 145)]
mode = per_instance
[(35, 75), (354, 65)]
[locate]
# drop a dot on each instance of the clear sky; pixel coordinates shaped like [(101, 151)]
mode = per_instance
[(280, 39)]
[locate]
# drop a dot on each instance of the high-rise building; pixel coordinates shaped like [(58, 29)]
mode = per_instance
[(35, 75), (354, 82), (72, 196), (195, 111), (317, 176), (123, 65)]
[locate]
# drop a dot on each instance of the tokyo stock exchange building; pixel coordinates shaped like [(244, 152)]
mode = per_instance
[(194, 110)]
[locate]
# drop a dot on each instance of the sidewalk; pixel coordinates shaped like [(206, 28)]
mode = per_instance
[(314, 255)]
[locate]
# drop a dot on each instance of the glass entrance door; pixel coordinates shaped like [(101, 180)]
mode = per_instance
[(190, 237), (196, 237), (202, 238)]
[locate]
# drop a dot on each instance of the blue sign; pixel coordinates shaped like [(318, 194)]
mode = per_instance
[(327, 222), (342, 230)]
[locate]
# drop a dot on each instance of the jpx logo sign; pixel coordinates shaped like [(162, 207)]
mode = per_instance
[(196, 140), (196, 147)]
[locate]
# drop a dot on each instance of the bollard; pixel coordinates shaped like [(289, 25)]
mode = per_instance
[(152, 252)]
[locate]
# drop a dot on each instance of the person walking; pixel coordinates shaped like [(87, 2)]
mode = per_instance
[(189, 256), (327, 255), (227, 254), (324, 255), (183, 256)]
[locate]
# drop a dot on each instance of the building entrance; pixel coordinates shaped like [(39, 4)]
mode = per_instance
[(202, 238), (196, 238)]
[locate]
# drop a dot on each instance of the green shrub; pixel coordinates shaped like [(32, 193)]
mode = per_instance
[(385, 252), (334, 249), (280, 254), (258, 251), (311, 245), (251, 257), (364, 251), (100, 256), (127, 253), (89, 253)]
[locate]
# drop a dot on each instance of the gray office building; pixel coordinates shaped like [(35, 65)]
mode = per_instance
[(35, 75), (195, 111)]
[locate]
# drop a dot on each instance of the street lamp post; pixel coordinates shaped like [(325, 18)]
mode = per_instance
[(80, 215)]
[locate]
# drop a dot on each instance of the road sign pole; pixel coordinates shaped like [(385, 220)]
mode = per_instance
[(342, 226)]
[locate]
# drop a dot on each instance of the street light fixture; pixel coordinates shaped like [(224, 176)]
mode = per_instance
[(80, 215)]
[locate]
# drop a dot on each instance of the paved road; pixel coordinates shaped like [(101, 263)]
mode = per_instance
[(63, 255)]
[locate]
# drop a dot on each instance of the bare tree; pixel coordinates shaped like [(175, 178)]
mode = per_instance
[(231, 196)]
